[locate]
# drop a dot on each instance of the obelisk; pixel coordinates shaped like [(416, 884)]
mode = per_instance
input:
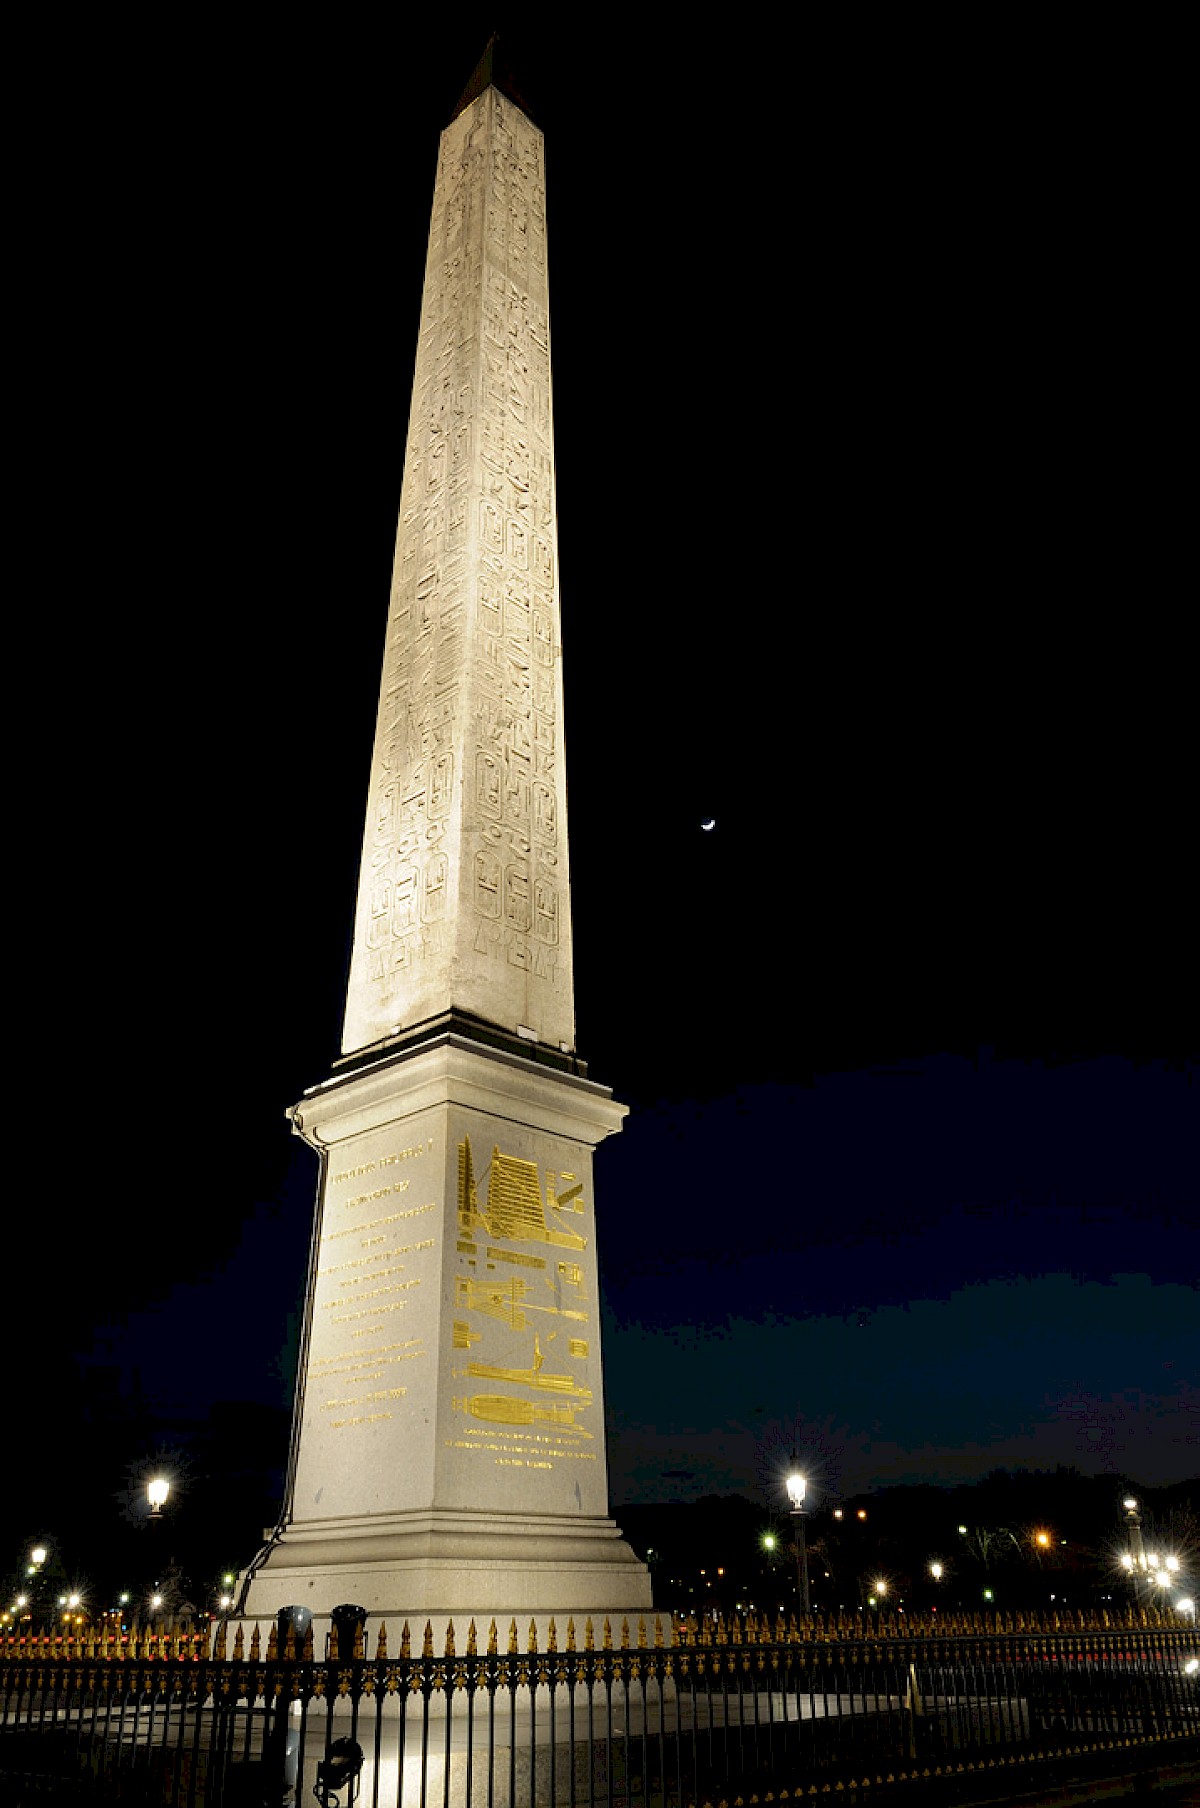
[(448, 1444)]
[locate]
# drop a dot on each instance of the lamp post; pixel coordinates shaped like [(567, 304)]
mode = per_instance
[(796, 1485), (157, 1490), (1136, 1563)]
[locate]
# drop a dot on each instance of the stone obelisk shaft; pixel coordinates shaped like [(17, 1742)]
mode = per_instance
[(463, 898), (449, 1453)]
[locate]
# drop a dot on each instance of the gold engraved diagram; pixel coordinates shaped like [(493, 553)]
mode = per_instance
[(506, 1409), (534, 1377), (504, 1300), (516, 1210), (515, 1203)]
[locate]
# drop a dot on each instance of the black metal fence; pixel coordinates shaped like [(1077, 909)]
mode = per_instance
[(668, 1715)]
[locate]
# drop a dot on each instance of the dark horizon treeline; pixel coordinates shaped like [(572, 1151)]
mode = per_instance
[(702, 1554), (1034, 1539)]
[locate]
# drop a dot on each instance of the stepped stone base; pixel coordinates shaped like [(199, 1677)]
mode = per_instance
[(417, 1566)]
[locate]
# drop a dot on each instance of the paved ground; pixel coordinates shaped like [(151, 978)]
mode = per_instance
[(1174, 1786)]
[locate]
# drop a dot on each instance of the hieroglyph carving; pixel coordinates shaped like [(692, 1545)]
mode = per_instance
[(463, 893)]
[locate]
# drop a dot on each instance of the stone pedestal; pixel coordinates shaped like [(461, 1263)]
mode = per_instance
[(450, 1453)]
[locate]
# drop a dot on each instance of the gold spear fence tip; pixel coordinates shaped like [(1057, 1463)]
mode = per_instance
[(492, 1645), (449, 1638), (427, 1646), (405, 1641), (552, 1637), (472, 1647), (533, 1644), (381, 1642)]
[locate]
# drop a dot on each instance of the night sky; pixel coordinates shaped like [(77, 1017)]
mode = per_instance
[(873, 548)]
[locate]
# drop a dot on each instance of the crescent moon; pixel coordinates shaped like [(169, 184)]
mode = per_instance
[(710, 824)]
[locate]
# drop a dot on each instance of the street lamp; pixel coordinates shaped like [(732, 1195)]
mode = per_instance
[(796, 1485), (156, 1493), (937, 1570)]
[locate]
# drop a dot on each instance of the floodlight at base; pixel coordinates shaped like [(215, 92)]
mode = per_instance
[(338, 1770)]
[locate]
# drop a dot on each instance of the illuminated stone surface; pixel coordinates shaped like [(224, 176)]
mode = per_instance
[(463, 892), (450, 1452)]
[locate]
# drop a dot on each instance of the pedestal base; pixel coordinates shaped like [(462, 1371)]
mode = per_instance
[(419, 1566)]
